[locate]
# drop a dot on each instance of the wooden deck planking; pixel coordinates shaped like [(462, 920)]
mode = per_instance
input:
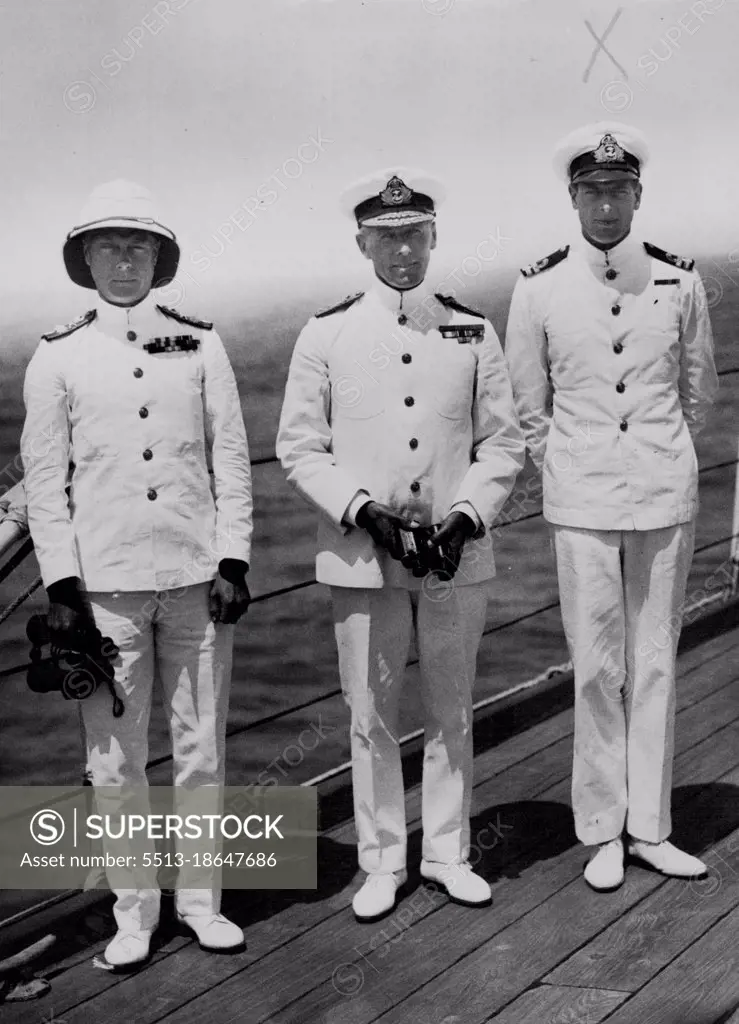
[(298, 916), (432, 945), (500, 969), (472, 919), (265, 936), (685, 695), (549, 1004), (700, 987), (339, 959), (192, 970), (303, 948), (635, 948)]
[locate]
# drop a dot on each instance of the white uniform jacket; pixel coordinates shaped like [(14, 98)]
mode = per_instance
[(611, 360), (139, 427), (408, 400)]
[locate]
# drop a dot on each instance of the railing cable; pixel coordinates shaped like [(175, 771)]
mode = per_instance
[(15, 560)]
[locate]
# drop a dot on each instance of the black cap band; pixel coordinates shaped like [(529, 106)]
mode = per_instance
[(396, 196), (586, 162), (607, 156)]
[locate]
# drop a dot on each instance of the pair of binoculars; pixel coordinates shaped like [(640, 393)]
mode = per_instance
[(77, 670), (423, 557)]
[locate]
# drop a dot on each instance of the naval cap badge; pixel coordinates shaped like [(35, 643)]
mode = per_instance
[(608, 151), (395, 193)]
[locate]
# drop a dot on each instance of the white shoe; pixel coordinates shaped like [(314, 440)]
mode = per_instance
[(214, 932), (126, 949), (667, 859), (605, 871), (378, 895), (460, 881)]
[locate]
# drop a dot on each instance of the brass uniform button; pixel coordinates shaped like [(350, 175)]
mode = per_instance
[(616, 309), (402, 319), (138, 372), (406, 357), (131, 335), (415, 487), (618, 348), (148, 454), (143, 412), (413, 443), (620, 387), (611, 274), (624, 425), (151, 494), (409, 401)]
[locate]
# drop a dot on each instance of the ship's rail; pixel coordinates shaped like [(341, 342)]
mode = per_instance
[(720, 595)]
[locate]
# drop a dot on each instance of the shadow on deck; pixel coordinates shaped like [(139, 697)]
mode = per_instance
[(549, 951)]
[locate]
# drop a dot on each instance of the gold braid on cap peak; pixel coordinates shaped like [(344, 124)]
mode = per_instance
[(395, 197)]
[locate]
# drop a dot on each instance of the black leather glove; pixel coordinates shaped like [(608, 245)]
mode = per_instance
[(69, 618), (229, 594), (450, 539), (384, 526)]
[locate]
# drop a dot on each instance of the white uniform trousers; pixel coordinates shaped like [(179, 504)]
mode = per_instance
[(166, 635), (622, 594), (373, 633)]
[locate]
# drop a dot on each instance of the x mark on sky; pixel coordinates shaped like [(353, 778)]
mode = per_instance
[(600, 41)]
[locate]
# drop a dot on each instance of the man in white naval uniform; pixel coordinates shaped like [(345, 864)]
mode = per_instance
[(398, 411), (611, 356), (129, 405)]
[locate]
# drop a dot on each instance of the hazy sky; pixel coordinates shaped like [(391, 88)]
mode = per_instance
[(218, 104)]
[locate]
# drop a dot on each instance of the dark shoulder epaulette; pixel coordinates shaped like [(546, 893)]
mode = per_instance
[(192, 321), (62, 332), (451, 303), (340, 306), (549, 261), (682, 262)]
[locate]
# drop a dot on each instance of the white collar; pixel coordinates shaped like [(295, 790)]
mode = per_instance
[(395, 300), (619, 256), (115, 319)]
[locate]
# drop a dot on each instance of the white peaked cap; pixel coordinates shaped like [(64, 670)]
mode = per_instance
[(606, 146), (393, 197)]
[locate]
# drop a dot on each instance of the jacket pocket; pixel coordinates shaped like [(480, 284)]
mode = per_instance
[(451, 392), (355, 399)]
